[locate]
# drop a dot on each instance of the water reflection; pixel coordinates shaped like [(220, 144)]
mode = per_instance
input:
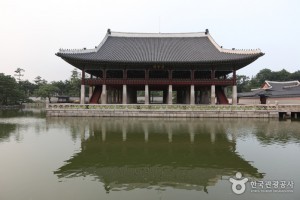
[(139, 153), (12, 121)]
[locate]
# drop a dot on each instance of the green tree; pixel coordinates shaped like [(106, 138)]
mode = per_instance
[(47, 91), (75, 83), (10, 92), (19, 74), (27, 87), (242, 83), (62, 89), (295, 75), (38, 80)]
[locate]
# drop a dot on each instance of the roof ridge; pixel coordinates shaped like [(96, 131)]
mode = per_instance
[(139, 34), (295, 81), (233, 50)]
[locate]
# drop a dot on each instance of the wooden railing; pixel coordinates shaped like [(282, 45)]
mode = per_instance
[(157, 81)]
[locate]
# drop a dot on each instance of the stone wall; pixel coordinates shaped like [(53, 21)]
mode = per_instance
[(162, 113)]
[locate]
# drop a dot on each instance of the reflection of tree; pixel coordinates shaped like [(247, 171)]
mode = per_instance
[(137, 153), (278, 132), (6, 130), (36, 113)]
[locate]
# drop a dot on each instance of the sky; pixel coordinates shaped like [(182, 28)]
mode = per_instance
[(32, 31)]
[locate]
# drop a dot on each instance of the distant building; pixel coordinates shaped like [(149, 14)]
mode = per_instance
[(189, 68), (273, 91)]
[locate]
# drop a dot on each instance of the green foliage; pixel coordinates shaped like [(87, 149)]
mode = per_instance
[(245, 84), (10, 92), (47, 91), (19, 74)]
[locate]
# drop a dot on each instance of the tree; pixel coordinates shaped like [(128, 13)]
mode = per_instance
[(38, 80), (19, 73), (47, 91), (10, 92), (62, 89), (263, 75), (27, 87), (242, 83), (295, 75), (75, 83)]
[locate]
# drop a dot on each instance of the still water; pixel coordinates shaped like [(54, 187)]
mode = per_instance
[(144, 158)]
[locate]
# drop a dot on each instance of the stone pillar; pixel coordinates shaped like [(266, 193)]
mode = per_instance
[(234, 95), (146, 94), (90, 92), (82, 91), (124, 97), (103, 95), (192, 95), (170, 96), (82, 94), (213, 95)]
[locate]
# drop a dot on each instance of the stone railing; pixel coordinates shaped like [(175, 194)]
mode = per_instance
[(289, 107), (176, 107)]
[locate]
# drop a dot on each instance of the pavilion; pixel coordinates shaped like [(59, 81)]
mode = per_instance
[(189, 68)]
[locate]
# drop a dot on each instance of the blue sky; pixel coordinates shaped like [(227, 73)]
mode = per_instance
[(32, 31)]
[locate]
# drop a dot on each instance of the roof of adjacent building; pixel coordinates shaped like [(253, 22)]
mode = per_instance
[(162, 48), (275, 89)]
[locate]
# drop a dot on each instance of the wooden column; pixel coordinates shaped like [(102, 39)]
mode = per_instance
[(213, 73), (193, 75)]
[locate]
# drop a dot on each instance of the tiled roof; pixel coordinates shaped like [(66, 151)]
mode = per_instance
[(276, 89), (159, 48)]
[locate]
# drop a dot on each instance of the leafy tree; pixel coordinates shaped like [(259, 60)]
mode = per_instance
[(19, 74), (62, 89), (75, 83), (295, 75), (262, 75), (38, 80), (27, 87), (47, 91), (10, 92), (242, 83)]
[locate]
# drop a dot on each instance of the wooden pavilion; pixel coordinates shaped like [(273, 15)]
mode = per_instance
[(189, 68)]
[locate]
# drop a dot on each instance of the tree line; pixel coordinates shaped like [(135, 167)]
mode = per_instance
[(15, 90), (245, 83)]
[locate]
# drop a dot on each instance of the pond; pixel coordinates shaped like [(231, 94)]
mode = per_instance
[(147, 158)]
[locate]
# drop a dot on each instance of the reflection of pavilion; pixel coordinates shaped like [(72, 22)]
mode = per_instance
[(138, 154)]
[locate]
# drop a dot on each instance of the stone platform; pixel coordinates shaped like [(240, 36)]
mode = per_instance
[(169, 111)]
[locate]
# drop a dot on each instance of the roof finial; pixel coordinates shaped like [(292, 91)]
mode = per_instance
[(206, 31), (108, 31)]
